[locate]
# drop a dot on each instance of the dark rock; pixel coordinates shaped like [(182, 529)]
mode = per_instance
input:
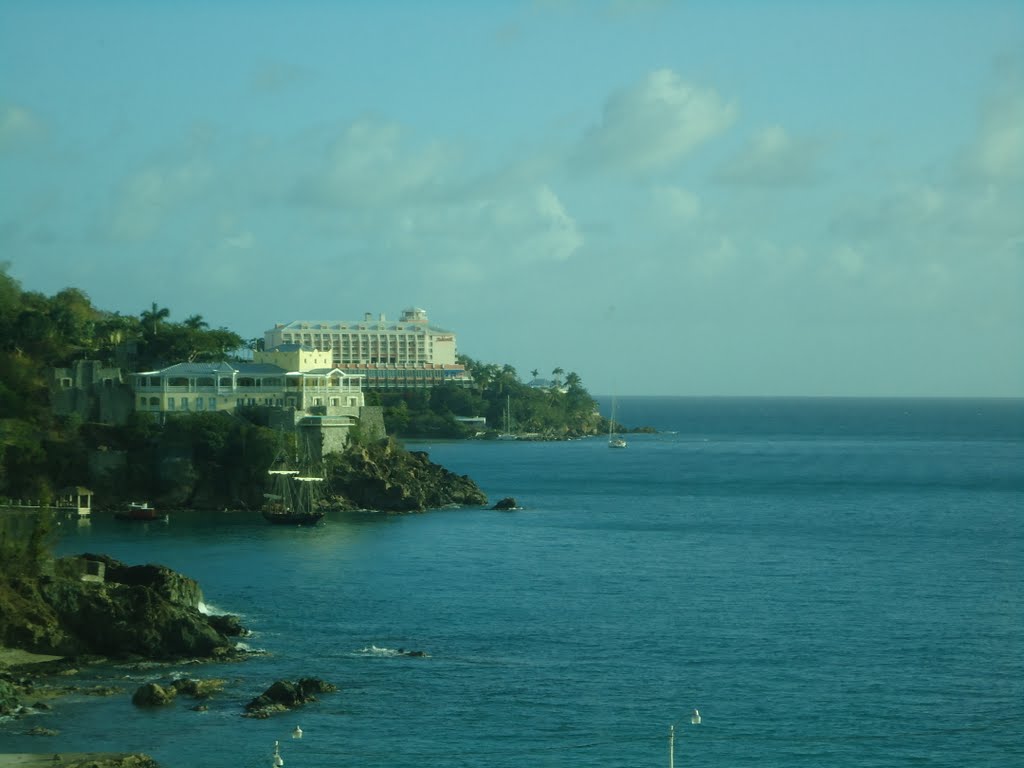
[(198, 689), (284, 695), (146, 611), (9, 697), (507, 503), (40, 731), (153, 695), (384, 476), (228, 625)]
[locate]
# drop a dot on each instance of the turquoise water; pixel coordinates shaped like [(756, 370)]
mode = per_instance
[(832, 583)]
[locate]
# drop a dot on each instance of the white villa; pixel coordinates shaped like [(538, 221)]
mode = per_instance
[(288, 376)]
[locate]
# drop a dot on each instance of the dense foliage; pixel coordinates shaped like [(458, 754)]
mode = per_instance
[(41, 452), (562, 408)]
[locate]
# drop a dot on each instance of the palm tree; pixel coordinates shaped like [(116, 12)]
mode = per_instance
[(555, 374), (534, 373), (153, 316), (195, 323)]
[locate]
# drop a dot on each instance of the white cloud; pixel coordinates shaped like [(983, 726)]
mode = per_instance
[(652, 125), (997, 151), (675, 205), (850, 260), (773, 157), (146, 199), (368, 165), (478, 237), (17, 125)]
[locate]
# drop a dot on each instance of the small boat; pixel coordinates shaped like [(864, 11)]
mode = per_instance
[(140, 510), (614, 440), (508, 434), (294, 498)]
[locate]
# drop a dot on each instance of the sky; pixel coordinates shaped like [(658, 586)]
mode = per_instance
[(669, 198)]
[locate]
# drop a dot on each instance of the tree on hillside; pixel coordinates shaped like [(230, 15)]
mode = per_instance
[(152, 317), (195, 323)]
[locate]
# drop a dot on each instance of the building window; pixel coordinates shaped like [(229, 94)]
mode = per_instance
[(199, 404), (170, 403), (154, 402), (213, 403), (184, 403), (66, 383)]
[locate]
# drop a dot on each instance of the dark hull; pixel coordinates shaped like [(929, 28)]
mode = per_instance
[(293, 518), (140, 517)]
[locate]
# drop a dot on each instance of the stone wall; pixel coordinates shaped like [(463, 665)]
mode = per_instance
[(94, 392)]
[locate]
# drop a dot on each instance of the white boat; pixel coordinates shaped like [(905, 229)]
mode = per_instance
[(614, 440), (508, 434)]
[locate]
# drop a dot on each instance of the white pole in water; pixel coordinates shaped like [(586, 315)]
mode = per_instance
[(694, 720)]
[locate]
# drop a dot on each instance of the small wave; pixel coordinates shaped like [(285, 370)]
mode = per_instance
[(246, 648), (375, 651), (209, 609)]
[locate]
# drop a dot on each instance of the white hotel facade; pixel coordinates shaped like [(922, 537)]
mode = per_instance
[(402, 354)]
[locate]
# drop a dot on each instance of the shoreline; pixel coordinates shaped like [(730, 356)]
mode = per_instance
[(76, 759), (16, 657)]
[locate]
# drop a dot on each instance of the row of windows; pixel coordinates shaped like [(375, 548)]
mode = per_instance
[(202, 404)]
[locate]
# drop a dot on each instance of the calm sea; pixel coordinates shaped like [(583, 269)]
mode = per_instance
[(830, 582)]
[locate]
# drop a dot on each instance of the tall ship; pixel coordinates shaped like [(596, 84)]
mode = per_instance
[(294, 498)]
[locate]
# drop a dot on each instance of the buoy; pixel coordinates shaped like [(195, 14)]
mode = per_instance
[(297, 733)]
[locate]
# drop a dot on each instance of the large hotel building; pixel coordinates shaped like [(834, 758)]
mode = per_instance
[(402, 354)]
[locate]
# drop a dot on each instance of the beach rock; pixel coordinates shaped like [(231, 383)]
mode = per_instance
[(505, 504), (41, 731), (153, 695), (284, 695), (9, 698), (104, 760), (174, 587), (228, 625), (198, 689), (148, 611)]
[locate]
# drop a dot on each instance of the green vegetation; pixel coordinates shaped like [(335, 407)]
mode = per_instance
[(41, 452), (563, 410), (203, 460)]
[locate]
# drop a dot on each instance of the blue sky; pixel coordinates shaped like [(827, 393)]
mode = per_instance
[(693, 198)]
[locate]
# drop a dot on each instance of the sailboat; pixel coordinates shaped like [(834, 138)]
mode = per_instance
[(614, 440), (508, 434), (293, 498)]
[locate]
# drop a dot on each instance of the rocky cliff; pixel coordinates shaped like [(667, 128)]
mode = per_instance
[(148, 611), (384, 476)]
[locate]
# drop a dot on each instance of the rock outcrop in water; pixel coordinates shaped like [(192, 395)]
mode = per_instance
[(146, 611), (285, 695), (384, 476)]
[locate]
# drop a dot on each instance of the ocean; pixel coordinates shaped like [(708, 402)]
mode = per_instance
[(830, 582)]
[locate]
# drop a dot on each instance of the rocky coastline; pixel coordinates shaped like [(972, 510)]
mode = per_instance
[(59, 615)]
